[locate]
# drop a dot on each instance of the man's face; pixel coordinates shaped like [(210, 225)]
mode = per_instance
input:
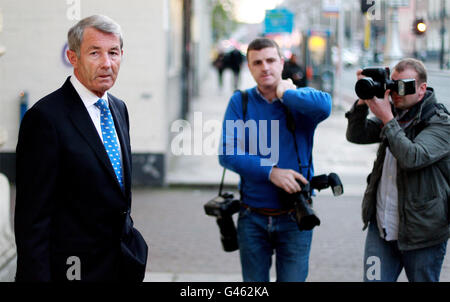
[(265, 66), (99, 61), (407, 101)]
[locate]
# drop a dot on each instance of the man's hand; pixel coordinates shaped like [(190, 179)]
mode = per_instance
[(360, 76), (283, 86), (286, 179), (381, 107)]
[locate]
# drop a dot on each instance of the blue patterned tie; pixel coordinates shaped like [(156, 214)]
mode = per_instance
[(109, 139)]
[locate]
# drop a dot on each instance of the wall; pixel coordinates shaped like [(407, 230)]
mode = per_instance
[(35, 33)]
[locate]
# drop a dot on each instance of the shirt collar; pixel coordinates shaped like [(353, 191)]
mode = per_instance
[(266, 100), (87, 96)]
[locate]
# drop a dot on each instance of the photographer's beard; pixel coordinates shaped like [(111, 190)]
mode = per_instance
[(407, 114), (402, 103), (406, 102)]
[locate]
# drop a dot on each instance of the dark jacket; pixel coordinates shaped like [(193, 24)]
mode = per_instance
[(423, 164), (69, 202)]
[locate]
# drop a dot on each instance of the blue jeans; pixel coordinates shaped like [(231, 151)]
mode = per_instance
[(383, 261), (259, 236)]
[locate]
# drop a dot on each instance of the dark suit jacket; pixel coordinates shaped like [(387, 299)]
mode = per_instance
[(68, 201)]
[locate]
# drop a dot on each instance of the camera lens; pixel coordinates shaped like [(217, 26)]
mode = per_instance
[(365, 88)]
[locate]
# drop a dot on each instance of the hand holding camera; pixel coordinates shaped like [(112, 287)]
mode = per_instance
[(381, 108), (302, 201), (286, 179), (377, 80), (374, 87)]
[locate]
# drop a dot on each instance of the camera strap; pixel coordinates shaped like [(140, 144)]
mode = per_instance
[(290, 121)]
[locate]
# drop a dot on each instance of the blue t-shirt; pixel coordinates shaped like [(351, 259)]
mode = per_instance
[(268, 142)]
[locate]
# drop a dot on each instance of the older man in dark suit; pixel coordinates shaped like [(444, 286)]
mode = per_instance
[(72, 216)]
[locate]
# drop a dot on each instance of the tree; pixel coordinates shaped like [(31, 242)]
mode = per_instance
[(223, 22)]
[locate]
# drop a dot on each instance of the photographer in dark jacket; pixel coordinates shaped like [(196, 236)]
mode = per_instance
[(405, 205)]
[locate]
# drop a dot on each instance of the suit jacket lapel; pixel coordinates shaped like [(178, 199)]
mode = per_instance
[(83, 122), (121, 130)]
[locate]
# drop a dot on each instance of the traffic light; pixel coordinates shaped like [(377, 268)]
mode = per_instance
[(419, 27)]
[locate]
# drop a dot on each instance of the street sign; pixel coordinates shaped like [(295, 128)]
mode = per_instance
[(278, 21)]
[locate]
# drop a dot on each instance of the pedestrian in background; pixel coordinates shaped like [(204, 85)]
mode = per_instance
[(234, 60), (406, 202), (72, 215), (265, 225), (219, 64)]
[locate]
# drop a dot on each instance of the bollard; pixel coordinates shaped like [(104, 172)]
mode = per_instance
[(7, 245)]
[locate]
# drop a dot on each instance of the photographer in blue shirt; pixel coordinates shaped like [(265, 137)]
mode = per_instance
[(271, 159)]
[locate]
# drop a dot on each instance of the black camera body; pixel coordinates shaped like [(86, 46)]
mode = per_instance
[(302, 201), (378, 80), (223, 207)]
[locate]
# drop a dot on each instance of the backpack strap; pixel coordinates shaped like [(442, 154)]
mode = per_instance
[(244, 95)]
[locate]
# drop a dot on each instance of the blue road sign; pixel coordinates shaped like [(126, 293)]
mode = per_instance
[(278, 21)]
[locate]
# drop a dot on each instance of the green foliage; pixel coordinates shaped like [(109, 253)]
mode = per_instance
[(223, 22)]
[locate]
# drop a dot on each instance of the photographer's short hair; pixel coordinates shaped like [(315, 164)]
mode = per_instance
[(99, 22), (261, 43), (410, 63)]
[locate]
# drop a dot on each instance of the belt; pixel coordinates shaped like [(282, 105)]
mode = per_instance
[(266, 211)]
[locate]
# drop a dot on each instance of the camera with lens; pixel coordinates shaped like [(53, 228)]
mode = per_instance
[(301, 201), (377, 81), (223, 207)]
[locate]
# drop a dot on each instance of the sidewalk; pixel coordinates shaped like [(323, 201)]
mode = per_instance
[(434, 68)]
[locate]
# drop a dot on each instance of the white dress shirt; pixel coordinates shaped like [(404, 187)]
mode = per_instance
[(387, 196), (387, 199), (89, 99)]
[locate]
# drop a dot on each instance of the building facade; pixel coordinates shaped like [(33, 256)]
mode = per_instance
[(157, 77)]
